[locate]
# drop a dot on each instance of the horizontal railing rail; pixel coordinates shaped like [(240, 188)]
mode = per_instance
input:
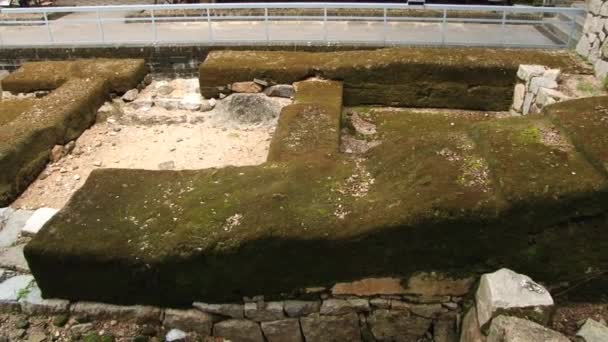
[(225, 23)]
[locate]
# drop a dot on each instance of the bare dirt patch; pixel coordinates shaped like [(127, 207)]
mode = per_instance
[(213, 139)]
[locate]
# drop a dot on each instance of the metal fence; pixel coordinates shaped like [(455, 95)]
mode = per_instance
[(377, 24)]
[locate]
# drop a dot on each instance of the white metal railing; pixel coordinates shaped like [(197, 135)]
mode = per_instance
[(280, 23)]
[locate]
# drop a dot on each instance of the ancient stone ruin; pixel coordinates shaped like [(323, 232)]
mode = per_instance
[(395, 185)]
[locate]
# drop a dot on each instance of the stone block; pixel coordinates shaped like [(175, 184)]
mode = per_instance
[(388, 325), (246, 87), (369, 287), (228, 310), (32, 303), (545, 96), (137, 313), (505, 291), (299, 308), (38, 220), (527, 71), (359, 304), (601, 68), (13, 258), (238, 330), (552, 74), (513, 329), (528, 100), (317, 328), (541, 82), (593, 331), (518, 96), (188, 320), (380, 303), (583, 46), (11, 223), (280, 90), (604, 10), (470, 330), (261, 311), (594, 6), (336, 307), (435, 284), (286, 330)]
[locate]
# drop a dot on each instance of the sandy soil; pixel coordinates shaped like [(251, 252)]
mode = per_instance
[(212, 140)]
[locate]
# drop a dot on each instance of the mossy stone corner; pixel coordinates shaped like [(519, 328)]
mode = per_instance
[(30, 128), (467, 78), (431, 197)]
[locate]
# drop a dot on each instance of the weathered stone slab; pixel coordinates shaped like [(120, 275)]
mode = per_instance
[(12, 289), (317, 328), (286, 330), (11, 225), (13, 258), (188, 320), (262, 311), (137, 313), (593, 331), (238, 330), (387, 325), (336, 307), (32, 303), (513, 329), (525, 72), (505, 291), (280, 90), (299, 308), (37, 220), (228, 310)]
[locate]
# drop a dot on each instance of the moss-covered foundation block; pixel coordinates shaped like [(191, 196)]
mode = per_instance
[(29, 129), (414, 77), (433, 196), (121, 74)]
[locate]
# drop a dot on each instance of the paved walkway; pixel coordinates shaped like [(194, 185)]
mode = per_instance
[(82, 28)]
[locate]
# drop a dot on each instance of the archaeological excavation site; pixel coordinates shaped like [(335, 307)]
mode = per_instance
[(395, 194)]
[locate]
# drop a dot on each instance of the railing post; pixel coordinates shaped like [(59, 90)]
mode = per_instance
[(266, 24), (154, 31), (325, 24), (100, 27), (48, 28), (572, 29), (385, 30), (443, 23), (503, 28), (210, 25)]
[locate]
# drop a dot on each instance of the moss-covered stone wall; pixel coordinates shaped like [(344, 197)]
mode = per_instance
[(442, 192), (464, 78), (29, 129)]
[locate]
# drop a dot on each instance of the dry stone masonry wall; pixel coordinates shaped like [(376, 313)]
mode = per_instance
[(592, 45), (536, 88)]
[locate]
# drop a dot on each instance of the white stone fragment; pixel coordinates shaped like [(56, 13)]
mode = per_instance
[(504, 290), (11, 225), (518, 96), (593, 331), (175, 335), (552, 74), (528, 100), (546, 95), (583, 46), (38, 220), (513, 329), (130, 95), (601, 68), (527, 71), (538, 82)]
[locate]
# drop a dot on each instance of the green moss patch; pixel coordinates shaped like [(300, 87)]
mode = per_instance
[(586, 121), (11, 109), (538, 170), (309, 128), (121, 74), (415, 77)]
